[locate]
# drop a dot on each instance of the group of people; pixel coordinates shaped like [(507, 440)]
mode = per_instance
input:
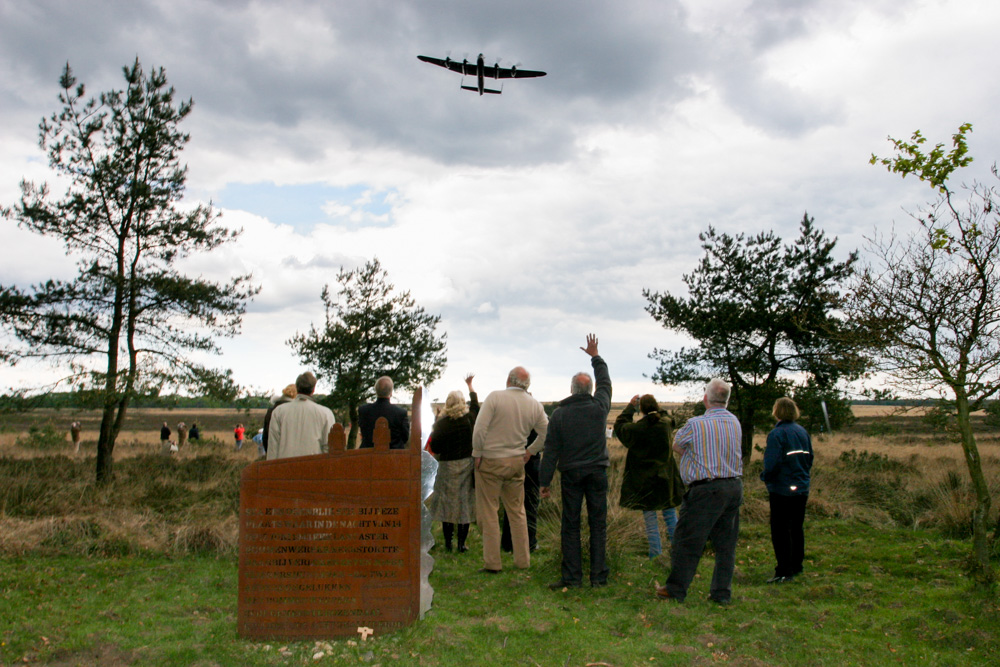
[(485, 450), (693, 478), (168, 446), (296, 425)]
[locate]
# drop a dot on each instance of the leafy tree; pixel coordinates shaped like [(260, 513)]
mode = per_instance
[(370, 332), (810, 398), (127, 322), (928, 305), (760, 311)]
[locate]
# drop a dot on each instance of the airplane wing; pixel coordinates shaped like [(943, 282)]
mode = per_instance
[(462, 67), (510, 73)]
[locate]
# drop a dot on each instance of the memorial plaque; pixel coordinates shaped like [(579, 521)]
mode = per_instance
[(331, 543)]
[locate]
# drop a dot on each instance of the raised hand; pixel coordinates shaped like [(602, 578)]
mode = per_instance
[(591, 348)]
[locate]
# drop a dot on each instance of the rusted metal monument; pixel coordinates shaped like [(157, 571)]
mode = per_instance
[(331, 544)]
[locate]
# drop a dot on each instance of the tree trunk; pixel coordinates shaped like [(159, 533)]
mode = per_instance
[(105, 443), (981, 513)]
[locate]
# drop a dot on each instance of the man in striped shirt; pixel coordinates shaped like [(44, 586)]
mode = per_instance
[(711, 467)]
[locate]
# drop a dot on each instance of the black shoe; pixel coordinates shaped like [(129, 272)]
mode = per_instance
[(721, 603), (486, 570), (447, 546), (598, 584), (559, 585), (780, 580), (462, 548)]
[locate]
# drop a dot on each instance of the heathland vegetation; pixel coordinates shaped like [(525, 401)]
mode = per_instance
[(143, 570)]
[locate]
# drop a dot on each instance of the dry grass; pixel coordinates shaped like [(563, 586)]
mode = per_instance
[(909, 476)]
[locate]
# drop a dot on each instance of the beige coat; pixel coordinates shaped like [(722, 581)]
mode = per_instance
[(505, 420), (299, 428)]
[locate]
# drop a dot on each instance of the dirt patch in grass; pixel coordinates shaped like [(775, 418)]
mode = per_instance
[(106, 655)]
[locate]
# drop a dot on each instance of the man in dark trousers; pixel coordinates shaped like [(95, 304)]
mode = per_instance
[(399, 422), (577, 445), (712, 469)]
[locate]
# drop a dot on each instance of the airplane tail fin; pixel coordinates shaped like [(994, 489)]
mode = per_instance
[(485, 90)]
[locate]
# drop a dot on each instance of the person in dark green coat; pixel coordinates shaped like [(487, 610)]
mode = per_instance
[(652, 480)]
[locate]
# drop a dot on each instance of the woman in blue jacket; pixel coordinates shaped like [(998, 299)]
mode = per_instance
[(788, 459)]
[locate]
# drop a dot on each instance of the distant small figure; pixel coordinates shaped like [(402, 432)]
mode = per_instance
[(182, 435), (238, 433), (788, 460), (74, 432), (399, 422), (194, 434), (165, 439)]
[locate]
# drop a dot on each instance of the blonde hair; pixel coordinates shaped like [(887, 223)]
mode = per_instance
[(785, 410), (454, 405)]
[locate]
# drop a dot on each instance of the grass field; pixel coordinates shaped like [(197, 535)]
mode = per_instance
[(143, 572)]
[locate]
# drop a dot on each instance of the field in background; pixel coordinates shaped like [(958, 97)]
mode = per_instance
[(142, 572), (887, 470)]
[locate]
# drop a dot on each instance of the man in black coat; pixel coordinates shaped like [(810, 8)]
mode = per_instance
[(577, 445), (399, 422)]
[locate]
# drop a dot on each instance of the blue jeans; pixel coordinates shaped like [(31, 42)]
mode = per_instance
[(653, 529), (590, 483)]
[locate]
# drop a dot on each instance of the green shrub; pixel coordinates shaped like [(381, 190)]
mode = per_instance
[(936, 418), (881, 427), (42, 437), (872, 462), (810, 399), (992, 410)]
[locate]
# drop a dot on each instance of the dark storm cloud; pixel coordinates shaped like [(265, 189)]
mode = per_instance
[(349, 71)]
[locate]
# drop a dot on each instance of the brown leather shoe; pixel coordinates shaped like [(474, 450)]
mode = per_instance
[(662, 593)]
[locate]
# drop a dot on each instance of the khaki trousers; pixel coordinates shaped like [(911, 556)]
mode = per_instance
[(502, 480)]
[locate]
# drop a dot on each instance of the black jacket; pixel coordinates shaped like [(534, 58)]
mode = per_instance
[(399, 423), (652, 480), (577, 435), (451, 439), (788, 460)]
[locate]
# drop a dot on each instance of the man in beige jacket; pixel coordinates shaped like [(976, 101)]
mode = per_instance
[(505, 420), (300, 427)]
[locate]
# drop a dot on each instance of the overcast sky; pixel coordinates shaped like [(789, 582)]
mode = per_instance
[(527, 219)]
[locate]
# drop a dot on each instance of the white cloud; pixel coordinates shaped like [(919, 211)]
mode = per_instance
[(528, 219)]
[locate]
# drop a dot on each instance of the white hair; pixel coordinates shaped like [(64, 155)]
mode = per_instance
[(581, 383), (717, 392)]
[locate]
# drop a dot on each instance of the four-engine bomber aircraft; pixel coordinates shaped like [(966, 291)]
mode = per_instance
[(480, 70)]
